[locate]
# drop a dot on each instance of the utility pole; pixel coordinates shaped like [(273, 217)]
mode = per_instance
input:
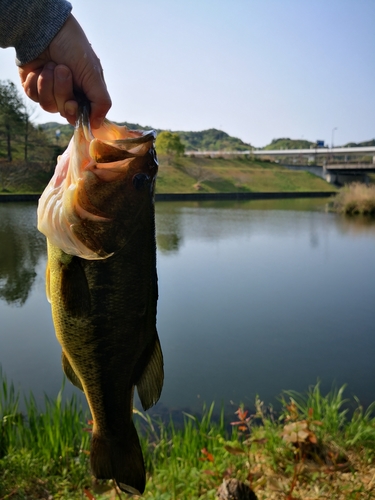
[(333, 133)]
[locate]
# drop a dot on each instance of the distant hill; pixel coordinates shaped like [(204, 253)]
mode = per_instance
[(360, 144), (66, 131), (50, 128), (205, 140), (212, 140), (286, 143)]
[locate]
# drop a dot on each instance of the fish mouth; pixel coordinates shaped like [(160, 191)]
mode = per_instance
[(76, 211), (132, 144)]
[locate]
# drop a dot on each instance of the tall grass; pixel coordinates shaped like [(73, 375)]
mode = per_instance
[(47, 450), (355, 198), (55, 433), (10, 418), (332, 411)]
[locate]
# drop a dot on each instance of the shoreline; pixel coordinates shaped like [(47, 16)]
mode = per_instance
[(4, 198)]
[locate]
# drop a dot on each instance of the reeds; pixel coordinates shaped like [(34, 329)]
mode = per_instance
[(55, 433), (355, 198)]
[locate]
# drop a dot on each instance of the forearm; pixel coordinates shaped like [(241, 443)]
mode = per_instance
[(30, 25)]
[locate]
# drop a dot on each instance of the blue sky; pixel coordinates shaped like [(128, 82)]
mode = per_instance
[(257, 69)]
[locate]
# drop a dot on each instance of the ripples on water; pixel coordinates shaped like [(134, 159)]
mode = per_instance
[(255, 297)]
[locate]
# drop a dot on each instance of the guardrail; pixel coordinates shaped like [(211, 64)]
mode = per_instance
[(365, 150)]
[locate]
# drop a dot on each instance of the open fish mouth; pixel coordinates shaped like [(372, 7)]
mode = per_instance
[(66, 205)]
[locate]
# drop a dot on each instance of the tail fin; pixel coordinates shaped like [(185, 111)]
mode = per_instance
[(120, 460)]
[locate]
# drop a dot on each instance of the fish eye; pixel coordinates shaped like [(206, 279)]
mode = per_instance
[(139, 180)]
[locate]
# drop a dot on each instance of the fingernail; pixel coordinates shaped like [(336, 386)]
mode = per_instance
[(70, 108), (62, 73)]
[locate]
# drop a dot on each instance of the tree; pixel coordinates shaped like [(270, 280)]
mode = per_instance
[(169, 143), (12, 115), (29, 110)]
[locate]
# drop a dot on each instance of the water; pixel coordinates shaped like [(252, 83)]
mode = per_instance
[(255, 297)]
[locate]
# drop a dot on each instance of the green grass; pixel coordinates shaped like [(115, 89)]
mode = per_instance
[(44, 453), (207, 175)]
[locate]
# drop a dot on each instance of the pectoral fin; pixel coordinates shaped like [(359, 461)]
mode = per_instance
[(69, 372), (150, 383), (75, 291)]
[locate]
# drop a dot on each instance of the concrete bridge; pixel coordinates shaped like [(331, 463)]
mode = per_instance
[(350, 168), (313, 152), (357, 151), (337, 173)]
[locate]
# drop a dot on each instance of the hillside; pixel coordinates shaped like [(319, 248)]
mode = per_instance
[(286, 143), (205, 140), (212, 140), (359, 144), (237, 174), (50, 128)]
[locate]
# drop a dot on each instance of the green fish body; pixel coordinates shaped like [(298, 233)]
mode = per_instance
[(101, 280)]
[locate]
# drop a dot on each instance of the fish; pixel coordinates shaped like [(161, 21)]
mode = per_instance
[(98, 216)]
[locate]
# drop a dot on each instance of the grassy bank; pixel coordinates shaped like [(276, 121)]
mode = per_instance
[(223, 175), (356, 198), (313, 450), (185, 175)]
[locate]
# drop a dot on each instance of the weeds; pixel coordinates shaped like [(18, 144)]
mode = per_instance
[(355, 198), (313, 450)]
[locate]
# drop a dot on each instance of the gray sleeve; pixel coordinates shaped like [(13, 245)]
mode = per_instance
[(30, 25)]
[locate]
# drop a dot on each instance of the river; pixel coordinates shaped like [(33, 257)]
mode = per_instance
[(255, 297)]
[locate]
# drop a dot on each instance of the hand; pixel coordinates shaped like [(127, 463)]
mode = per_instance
[(68, 63)]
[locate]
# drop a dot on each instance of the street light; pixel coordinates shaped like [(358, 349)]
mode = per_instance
[(333, 131)]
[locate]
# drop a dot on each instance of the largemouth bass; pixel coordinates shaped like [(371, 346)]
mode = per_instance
[(97, 213)]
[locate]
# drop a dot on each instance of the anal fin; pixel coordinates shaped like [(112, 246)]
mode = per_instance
[(150, 383), (69, 372)]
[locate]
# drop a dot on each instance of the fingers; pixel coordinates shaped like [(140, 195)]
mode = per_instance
[(71, 110), (29, 80), (38, 84), (45, 87), (63, 93), (51, 86), (68, 63), (96, 92), (72, 48)]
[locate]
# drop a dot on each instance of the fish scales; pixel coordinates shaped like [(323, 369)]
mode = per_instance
[(101, 279)]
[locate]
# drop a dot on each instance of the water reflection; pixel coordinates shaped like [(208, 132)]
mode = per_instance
[(255, 297), (20, 250), (357, 225), (175, 219), (168, 228)]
